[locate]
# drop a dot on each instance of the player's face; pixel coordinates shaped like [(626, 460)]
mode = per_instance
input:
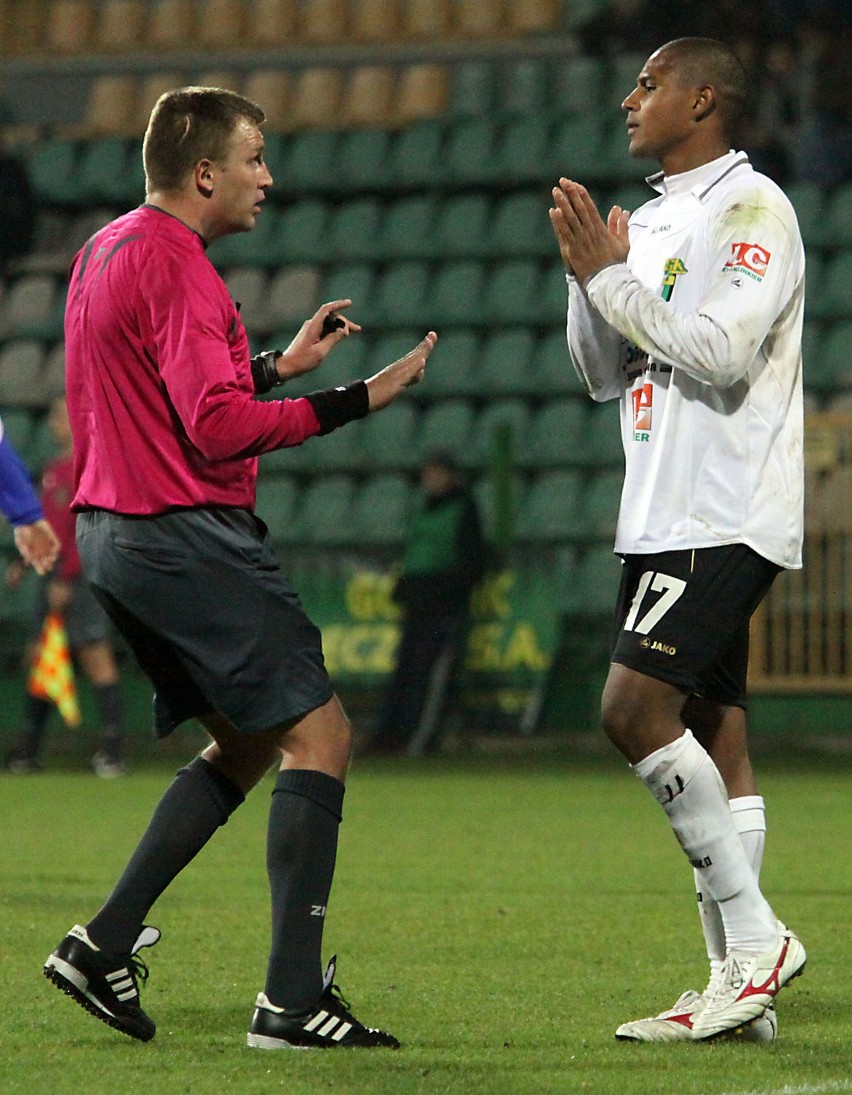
[(660, 110), (240, 180)]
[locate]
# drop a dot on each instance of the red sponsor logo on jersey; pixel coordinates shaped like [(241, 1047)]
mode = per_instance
[(749, 256)]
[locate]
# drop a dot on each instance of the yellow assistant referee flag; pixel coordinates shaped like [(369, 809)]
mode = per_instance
[(51, 673)]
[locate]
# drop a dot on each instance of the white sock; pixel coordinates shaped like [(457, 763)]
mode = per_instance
[(749, 816), (687, 784)]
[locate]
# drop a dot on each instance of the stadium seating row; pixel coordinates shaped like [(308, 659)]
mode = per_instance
[(378, 94), (425, 161), (125, 26), (553, 507)]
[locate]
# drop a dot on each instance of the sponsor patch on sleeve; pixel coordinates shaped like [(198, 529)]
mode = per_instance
[(750, 259)]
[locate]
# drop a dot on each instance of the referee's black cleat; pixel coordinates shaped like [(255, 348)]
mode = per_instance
[(327, 1025), (106, 985)]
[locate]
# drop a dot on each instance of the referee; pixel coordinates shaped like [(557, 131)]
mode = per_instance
[(167, 432)]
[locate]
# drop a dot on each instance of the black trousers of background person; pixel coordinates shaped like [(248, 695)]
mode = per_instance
[(427, 644)]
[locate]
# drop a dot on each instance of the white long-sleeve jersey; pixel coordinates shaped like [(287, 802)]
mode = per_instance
[(699, 335)]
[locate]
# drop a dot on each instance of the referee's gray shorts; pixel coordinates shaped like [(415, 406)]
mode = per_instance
[(199, 598)]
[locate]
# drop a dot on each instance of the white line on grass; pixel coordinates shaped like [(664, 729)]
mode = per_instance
[(802, 1089)]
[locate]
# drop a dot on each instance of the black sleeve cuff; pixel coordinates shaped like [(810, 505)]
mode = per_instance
[(336, 406), (263, 372)]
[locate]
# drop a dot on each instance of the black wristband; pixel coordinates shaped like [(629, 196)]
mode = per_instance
[(336, 406), (264, 374)]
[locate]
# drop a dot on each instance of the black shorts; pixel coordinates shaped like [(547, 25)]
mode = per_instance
[(683, 617), (200, 599)]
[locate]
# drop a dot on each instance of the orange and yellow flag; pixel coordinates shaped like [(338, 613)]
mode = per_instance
[(51, 673)]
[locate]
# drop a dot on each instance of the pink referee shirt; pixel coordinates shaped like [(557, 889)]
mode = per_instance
[(158, 379)]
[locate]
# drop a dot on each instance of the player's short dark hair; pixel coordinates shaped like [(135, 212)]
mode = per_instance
[(702, 61), (191, 124)]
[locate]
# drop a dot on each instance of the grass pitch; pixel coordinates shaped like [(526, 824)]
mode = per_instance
[(501, 916)]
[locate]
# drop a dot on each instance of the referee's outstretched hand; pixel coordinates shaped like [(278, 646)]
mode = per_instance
[(385, 386), (317, 336)]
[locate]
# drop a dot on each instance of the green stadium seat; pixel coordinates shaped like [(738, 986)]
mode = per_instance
[(577, 87), (52, 172), (299, 232), (462, 227), (525, 88), (337, 451), (18, 425), (31, 308), (387, 440), (325, 514), (381, 510), (455, 295), (353, 230), (599, 506), (557, 435), (602, 443), (416, 157), (522, 152), (809, 202), (474, 89), (401, 294), (276, 503), (506, 361), (521, 227), (553, 294), (362, 160), (453, 368), (21, 374), (42, 447), (552, 372), (312, 163), (292, 296), (596, 582), (468, 158), (446, 425), (407, 230), (351, 281), (485, 492), (838, 217), (511, 293), (835, 355), (548, 511), (105, 172), (576, 149), (503, 414), (834, 296)]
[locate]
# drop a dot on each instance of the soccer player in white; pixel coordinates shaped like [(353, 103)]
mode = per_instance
[(689, 311)]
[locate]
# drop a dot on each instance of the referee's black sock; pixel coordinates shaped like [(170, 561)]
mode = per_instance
[(199, 800), (304, 818)]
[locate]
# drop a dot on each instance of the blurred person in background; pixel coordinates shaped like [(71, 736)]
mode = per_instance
[(87, 626), (444, 558)]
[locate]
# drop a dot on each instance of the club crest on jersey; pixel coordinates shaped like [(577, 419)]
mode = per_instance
[(750, 259), (673, 269)]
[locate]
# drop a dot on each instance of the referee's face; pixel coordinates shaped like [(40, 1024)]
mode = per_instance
[(660, 110), (240, 182)]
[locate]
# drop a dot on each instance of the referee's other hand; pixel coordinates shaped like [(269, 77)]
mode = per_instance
[(312, 344), (386, 385)]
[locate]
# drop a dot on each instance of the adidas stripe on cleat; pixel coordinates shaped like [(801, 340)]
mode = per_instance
[(329, 1024), (106, 985)]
